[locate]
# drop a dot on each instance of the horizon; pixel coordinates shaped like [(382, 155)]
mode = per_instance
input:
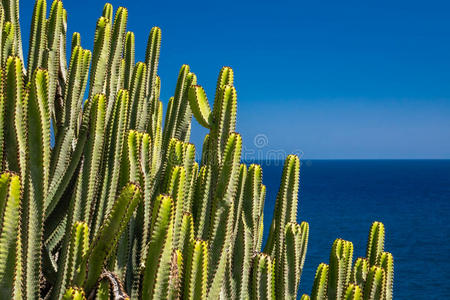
[(330, 81)]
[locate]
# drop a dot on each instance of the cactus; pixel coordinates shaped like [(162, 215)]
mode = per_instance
[(118, 207), (365, 280)]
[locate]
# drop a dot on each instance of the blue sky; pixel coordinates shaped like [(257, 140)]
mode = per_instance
[(329, 79)]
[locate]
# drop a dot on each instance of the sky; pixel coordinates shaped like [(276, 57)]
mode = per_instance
[(324, 79)]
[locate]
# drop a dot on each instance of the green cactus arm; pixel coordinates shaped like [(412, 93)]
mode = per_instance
[(148, 179), (10, 246), (171, 128), (134, 144), (199, 105), (262, 198), (102, 41), (2, 23), (226, 77), (108, 11), (360, 271), (305, 297), (186, 233), (263, 277), (137, 88), (74, 293), (16, 148), (221, 228), (159, 252), (74, 214), (184, 116), (64, 163), (251, 201), (76, 84), (179, 124), (191, 170), (11, 8), (63, 66), (115, 57), (196, 272), (3, 120), (152, 59), (205, 151), (121, 81), (51, 243), (340, 268), (7, 41), (285, 209), (39, 133), (374, 288), (175, 275), (156, 135), (129, 56), (229, 174), (93, 154), (375, 242), (14, 125), (116, 138), (176, 189), (201, 205), (120, 259), (386, 261), (241, 261), (53, 55), (296, 240), (239, 197), (320, 285), (353, 292), (167, 120), (130, 147), (261, 233), (76, 41), (103, 291), (107, 237), (224, 120), (173, 158), (37, 36), (38, 145), (191, 185), (78, 247), (146, 117), (303, 243)]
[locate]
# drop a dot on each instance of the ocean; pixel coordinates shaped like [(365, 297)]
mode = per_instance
[(341, 199)]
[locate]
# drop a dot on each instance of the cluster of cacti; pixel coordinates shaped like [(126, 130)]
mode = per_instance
[(370, 278), (118, 207)]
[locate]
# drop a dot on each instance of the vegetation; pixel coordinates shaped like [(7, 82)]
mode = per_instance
[(117, 207)]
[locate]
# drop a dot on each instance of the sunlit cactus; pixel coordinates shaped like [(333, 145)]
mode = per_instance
[(360, 271), (263, 277), (196, 272), (10, 246), (74, 294), (102, 198), (363, 280), (375, 284), (353, 292), (386, 262), (319, 290)]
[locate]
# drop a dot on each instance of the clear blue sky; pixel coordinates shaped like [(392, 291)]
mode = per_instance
[(333, 79)]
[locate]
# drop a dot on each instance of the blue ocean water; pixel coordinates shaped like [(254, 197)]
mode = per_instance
[(341, 198)]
